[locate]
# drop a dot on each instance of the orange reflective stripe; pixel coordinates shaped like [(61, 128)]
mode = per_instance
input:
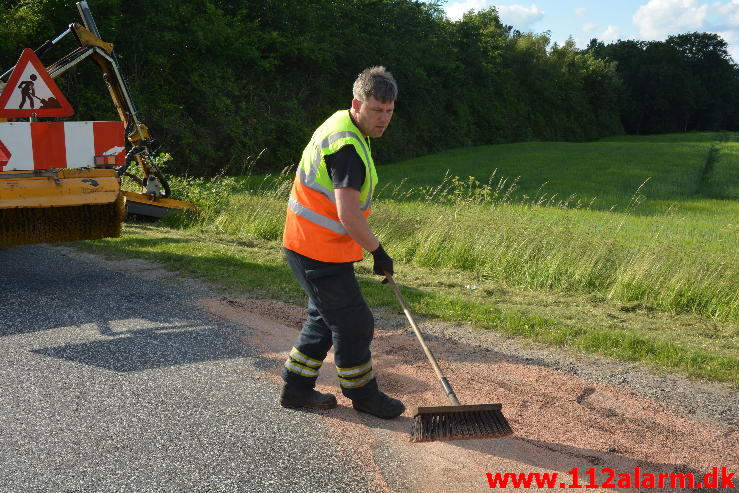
[(312, 240), (314, 200), (315, 217)]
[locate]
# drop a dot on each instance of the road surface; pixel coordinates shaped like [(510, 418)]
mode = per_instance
[(120, 376), (116, 383)]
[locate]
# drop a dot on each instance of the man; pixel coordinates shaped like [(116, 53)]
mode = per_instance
[(325, 232), (28, 91)]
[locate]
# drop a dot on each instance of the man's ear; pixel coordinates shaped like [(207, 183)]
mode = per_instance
[(356, 104)]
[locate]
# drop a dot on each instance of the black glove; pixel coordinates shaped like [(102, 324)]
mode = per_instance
[(383, 262)]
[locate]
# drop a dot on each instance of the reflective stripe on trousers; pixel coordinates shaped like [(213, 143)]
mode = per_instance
[(358, 376), (302, 365)]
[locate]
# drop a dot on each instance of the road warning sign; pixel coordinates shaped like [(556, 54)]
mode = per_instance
[(4, 155), (31, 91)]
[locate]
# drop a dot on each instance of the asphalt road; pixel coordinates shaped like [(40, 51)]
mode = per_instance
[(115, 383)]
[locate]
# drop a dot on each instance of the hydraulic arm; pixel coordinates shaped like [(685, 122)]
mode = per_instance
[(57, 204)]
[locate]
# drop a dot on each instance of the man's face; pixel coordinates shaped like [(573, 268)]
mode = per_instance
[(372, 116)]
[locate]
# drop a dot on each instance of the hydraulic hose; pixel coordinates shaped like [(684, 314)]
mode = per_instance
[(127, 162), (138, 150), (161, 178)]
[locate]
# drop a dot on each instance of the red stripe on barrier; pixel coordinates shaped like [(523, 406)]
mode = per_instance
[(49, 148), (107, 136)]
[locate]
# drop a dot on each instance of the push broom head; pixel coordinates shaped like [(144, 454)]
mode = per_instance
[(459, 423), (20, 226)]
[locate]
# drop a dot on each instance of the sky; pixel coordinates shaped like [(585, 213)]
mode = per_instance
[(611, 20)]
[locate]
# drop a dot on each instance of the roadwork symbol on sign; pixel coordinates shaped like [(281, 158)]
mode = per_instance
[(31, 91), (4, 155)]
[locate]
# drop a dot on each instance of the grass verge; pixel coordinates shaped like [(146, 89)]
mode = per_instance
[(682, 343)]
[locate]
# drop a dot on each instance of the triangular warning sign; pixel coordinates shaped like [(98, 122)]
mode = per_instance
[(4, 155), (31, 91)]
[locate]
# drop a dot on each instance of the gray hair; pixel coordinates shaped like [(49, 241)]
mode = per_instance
[(377, 82)]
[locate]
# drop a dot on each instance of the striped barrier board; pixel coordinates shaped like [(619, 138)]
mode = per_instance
[(47, 145)]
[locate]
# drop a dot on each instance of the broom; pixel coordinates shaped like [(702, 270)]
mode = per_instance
[(455, 422), (24, 225)]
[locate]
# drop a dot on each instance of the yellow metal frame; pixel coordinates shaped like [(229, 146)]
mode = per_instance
[(58, 188), (158, 201)]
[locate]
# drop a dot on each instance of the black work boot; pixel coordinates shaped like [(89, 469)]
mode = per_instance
[(292, 397), (380, 405)]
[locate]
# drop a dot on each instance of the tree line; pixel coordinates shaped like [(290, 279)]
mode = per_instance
[(230, 84)]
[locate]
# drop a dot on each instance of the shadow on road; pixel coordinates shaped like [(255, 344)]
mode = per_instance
[(347, 414), (104, 318), (148, 349)]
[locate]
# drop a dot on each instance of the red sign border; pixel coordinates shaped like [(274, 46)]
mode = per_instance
[(29, 56)]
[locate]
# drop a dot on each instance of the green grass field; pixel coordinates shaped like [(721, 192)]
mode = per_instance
[(625, 247), (650, 220), (601, 175)]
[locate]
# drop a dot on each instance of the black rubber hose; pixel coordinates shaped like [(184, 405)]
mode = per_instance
[(137, 150), (127, 161)]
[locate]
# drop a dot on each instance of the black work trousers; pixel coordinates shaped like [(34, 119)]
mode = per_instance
[(338, 315)]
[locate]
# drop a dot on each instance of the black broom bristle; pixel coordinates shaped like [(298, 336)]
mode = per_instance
[(459, 423), (20, 226)]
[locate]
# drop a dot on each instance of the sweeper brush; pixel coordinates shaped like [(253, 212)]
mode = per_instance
[(455, 422), (29, 225)]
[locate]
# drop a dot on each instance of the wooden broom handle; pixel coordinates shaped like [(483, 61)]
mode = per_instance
[(444, 382)]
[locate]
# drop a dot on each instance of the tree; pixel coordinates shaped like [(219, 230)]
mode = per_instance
[(715, 78), (220, 81)]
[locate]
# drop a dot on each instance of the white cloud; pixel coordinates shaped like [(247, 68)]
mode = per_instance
[(724, 20), (728, 13), (456, 10), (586, 28), (519, 16), (581, 12), (610, 34), (658, 18)]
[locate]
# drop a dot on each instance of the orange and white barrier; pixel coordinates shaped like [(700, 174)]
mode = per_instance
[(46, 145)]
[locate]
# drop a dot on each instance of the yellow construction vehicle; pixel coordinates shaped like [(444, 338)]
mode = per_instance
[(51, 195)]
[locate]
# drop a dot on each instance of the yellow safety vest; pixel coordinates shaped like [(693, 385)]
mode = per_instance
[(312, 227)]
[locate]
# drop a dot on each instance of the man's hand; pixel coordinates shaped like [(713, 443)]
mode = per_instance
[(383, 262), (350, 215)]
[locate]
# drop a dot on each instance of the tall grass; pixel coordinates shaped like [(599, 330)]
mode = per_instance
[(678, 253), (239, 206), (645, 260)]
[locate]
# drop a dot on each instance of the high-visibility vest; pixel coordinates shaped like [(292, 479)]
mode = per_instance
[(312, 227)]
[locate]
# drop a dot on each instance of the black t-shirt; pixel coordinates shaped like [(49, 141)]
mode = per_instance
[(346, 168)]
